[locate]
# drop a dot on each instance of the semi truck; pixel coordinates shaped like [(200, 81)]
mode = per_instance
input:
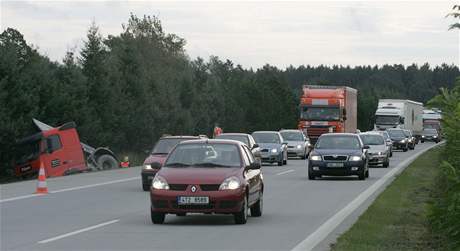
[(60, 152), (399, 113), (325, 109), (432, 119)]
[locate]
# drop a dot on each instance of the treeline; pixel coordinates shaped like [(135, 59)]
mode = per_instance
[(446, 209), (126, 90)]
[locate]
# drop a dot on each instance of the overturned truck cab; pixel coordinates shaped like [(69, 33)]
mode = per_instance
[(60, 151)]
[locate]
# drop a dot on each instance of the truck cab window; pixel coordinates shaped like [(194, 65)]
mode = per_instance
[(53, 143)]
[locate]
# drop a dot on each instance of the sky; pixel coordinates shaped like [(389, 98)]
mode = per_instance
[(256, 33)]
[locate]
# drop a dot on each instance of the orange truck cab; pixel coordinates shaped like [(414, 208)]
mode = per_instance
[(325, 109), (60, 151)]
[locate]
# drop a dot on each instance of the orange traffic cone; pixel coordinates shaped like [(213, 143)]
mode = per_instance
[(42, 188)]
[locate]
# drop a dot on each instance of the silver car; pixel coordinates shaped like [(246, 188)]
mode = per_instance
[(246, 139), (388, 140), (298, 144), (378, 151)]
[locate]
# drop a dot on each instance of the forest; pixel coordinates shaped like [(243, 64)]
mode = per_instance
[(125, 91)]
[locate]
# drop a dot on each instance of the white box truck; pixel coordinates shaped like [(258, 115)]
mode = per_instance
[(399, 113)]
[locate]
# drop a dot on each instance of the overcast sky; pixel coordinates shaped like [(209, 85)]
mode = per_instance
[(256, 33)]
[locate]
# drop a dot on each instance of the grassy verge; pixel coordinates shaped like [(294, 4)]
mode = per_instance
[(399, 218)]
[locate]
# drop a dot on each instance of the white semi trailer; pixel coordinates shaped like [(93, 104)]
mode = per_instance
[(399, 113)]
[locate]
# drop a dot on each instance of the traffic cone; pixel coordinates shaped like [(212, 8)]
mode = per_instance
[(42, 188)]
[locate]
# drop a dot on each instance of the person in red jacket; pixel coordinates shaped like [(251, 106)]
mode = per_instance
[(217, 130)]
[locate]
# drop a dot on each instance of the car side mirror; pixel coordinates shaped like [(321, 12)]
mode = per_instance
[(156, 165), (255, 146), (254, 166), (284, 143), (366, 147)]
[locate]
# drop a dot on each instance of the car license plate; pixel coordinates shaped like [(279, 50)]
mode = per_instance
[(334, 164), (184, 200)]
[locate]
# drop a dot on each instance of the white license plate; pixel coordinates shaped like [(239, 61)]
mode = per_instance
[(185, 200), (334, 164)]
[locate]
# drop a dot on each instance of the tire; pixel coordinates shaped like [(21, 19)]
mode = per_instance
[(285, 160), (367, 173), (311, 176), (106, 162), (391, 153), (423, 141), (405, 149), (280, 163), (386, 163), (157, 218), (145, 187), (257, 209), (242, 216), (362, 174)]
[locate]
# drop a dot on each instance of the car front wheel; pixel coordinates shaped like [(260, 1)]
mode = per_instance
[(157, 218), (256, 209), (242, 216)]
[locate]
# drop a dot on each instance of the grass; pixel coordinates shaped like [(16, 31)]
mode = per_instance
[(399, 218)]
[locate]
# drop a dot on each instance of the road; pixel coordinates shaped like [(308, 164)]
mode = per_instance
[(108, 210)]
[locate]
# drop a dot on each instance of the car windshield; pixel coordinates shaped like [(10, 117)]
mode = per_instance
[(407, 133), (386, 120), (338, 142), (164, 146), (320, 113), (292, 136), (385, 135), (396, 133), (369, 139), (27, 152), (241, 138), (204, 155), (266, 137), (430, 131)]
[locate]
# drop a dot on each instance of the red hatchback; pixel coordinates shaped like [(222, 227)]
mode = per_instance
[(208, 176)]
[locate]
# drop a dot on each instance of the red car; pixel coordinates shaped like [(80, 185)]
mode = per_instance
[(159, 153), (208, 176)]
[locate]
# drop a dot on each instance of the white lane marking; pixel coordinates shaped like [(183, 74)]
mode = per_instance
[(71, 189), (78, 231), (285, 172), (327, 227)]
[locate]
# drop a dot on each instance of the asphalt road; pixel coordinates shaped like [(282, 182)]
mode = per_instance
[(109, 211)]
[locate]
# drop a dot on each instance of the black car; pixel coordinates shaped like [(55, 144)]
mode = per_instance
[(399, 139), (339, 154), (430, 134)]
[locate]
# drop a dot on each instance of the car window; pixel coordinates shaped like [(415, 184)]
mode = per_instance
[(267, 137), (241, 138), (164, 146), (369, 139), (245, 157), (249, 153), (396, 133), (292, 136), (54, 143), (338, 142), (204, 154)]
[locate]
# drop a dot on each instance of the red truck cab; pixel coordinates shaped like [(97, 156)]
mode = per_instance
[(325, 109), (58, 149)]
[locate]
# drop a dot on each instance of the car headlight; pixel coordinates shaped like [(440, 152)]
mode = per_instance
[(230, 183), (299, 146), (355, 158), (403, 141), (147, 166), (315, 157), (274, 150), (160, 183), (435, 136), (423, 136)]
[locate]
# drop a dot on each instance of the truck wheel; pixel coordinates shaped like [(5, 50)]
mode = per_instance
[(106, 162)]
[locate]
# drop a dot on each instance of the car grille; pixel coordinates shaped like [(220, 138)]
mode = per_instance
[(335, 157), (264, 150), (192, 207), (291, 146), (228, 204), (178, 187), (210, 187), (160, 203)]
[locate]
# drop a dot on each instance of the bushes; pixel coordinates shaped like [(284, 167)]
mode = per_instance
[(446, 210)]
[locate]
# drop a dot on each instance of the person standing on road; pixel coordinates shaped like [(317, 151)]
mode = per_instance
[(217, 130)]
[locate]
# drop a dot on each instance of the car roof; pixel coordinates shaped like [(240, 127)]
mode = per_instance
[(180, 137), (234, 134), (371, 133), (212, 141), (339, 134), (266, 132), (290, 130)]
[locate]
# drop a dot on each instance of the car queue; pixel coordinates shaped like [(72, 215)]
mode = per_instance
[(194, 174)]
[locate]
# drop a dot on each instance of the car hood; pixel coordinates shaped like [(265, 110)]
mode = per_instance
[(295, 143), (398, 138), (377, 148), (338, 152), (269, 145), (197, 175), (160, 158)]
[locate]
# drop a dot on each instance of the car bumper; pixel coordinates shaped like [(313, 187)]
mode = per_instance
[(430, 139), (296, 152), (377, 160), (346, 170), (147, 176), (398, 145), (271, 158), (223, 202)]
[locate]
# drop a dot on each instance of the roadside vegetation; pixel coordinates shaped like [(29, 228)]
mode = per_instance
[(399, 218), (126, 90)]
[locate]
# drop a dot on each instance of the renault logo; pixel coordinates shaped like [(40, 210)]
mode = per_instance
[(193, 189)]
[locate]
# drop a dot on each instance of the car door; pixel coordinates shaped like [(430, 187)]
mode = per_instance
[(55, 156), (254, 178)]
